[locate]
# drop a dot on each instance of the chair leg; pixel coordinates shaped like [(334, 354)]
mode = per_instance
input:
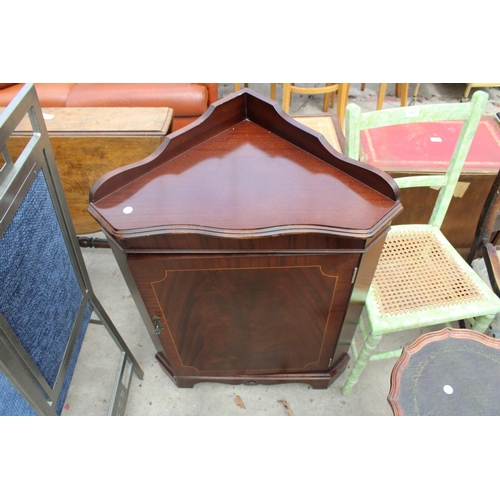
[(326, 102), (287, 96), (483, 322), (369, 346), (329, 99), (404, 93), (343, 95), (273, 91), (415, 94), (381, 95), (467, 92)]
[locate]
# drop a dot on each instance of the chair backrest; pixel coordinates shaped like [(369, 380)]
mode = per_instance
[(342, 90), (470, 112), (46, 298)]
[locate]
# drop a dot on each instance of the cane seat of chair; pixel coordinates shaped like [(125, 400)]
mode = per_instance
[(420, 280)]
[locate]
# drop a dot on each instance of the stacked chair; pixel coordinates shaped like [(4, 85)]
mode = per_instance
[(46, 298)]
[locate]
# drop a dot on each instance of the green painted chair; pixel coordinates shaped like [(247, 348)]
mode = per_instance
[(421, 280)]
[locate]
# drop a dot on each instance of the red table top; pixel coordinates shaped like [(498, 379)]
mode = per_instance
[(427, 147)]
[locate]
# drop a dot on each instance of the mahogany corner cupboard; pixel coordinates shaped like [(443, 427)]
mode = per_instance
[(248, 244)]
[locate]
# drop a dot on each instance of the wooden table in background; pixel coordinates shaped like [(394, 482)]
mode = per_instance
[(393, 150), (89, 142), (426, 150)]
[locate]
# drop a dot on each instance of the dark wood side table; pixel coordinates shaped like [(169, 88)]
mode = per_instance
[(89, 142), (450, 372), (249, 245)]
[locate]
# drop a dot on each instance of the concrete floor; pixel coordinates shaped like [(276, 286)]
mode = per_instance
[(157, 395)]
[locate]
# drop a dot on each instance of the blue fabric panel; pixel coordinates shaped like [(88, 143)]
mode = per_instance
[(39, 292), (72, 362), (13, 404)]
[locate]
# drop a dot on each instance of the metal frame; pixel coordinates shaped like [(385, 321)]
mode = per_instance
[(15, 180)]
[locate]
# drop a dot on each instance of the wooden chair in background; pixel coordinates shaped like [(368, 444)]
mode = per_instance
[(470, 86), (401, 92), (330, 89)]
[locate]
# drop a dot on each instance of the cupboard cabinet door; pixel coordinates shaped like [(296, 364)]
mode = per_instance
[(230, 315)]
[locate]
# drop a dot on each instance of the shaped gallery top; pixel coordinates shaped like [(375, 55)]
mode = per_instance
[(245, 169)]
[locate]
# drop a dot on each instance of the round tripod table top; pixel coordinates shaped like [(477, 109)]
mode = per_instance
[(449, 372)]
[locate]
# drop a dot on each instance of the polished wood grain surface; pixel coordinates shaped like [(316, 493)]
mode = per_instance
[(245, 178), (260, 112), (251, 241), (102, 121), (89, 142), (300, 241), (201, 295), (216, 140)]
